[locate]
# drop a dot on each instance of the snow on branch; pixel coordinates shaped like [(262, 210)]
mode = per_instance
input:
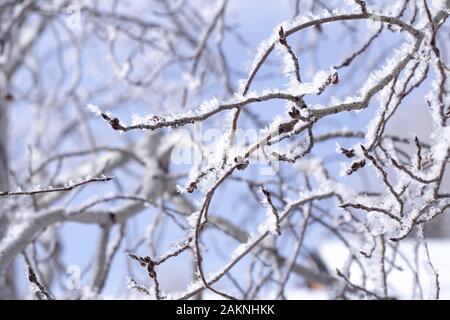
[(67, 187)]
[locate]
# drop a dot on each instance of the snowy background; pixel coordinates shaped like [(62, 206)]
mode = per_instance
[(71, 77)]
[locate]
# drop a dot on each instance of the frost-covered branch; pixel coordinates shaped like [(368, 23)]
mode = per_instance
[(67, 187), (334, 130)]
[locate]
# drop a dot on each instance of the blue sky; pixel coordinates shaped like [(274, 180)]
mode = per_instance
[(256, 21)]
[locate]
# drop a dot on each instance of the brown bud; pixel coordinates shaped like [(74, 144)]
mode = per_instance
[(294, 113), (356, 166), (282, 36), (286, 127), (349, 153), (334, 78), (192, 186), (241, 163)]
